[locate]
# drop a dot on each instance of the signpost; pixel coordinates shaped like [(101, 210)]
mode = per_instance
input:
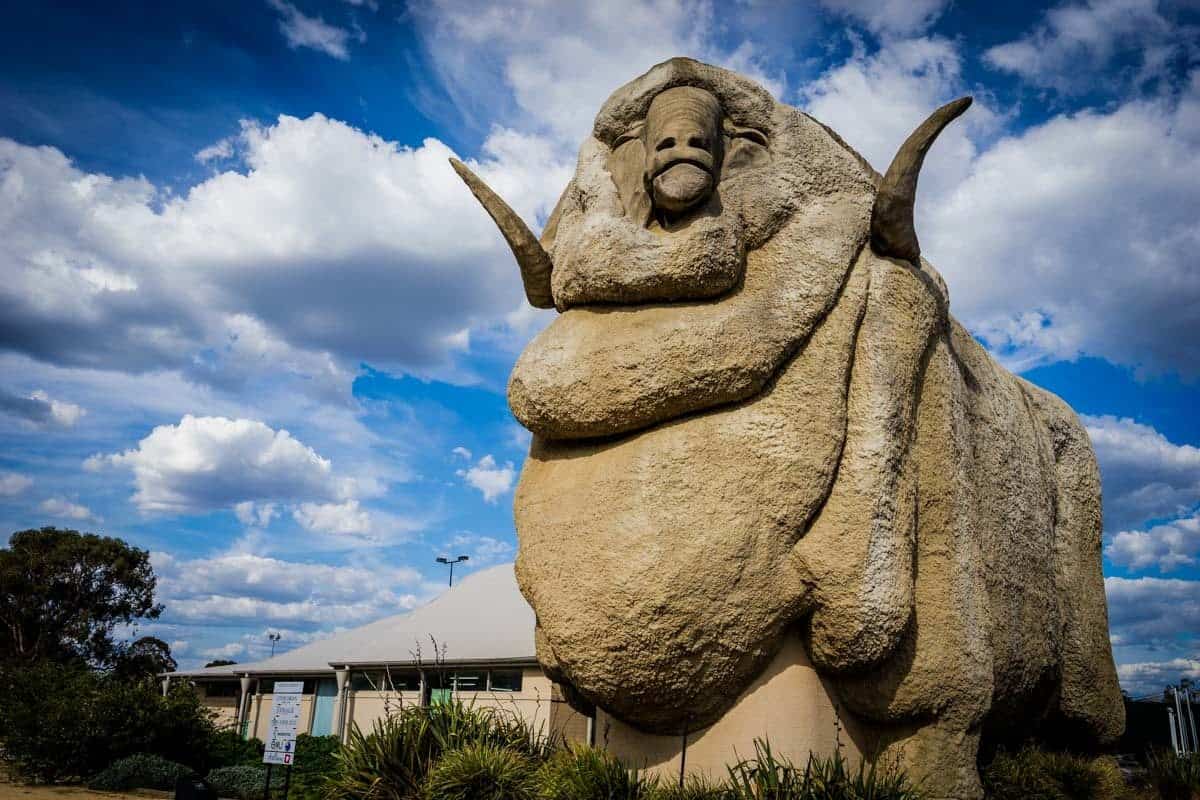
[(281, 735)]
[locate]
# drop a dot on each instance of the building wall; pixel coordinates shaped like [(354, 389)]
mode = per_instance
[(532, 703), (538, 703), (224, 709)]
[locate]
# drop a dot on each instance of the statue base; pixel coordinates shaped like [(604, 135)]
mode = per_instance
[(789, 706)]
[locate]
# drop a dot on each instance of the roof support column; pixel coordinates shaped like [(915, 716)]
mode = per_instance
[(339, 712), (243, 704), (166, 684)]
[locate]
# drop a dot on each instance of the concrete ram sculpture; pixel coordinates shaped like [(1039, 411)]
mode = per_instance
[(774, 488)]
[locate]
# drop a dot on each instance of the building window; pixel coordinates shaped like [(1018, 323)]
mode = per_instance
[(505, 680), (367, 681), (470, 681), (222, 689), (406, 680)]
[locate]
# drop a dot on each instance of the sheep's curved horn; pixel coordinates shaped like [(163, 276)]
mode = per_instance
[(533, 260), (892, 231)]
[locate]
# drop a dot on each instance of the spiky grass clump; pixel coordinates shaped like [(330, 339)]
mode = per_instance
[(694, 788), (1035, 774), (392, 761), (585, 773), (1173, 777), (481, 772)]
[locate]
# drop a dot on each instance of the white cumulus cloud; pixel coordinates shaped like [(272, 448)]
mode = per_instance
[(890, 17), (14, 483), (1146, 476), (207, 463), (244, 587), (1168, 546), (1075, 42), (41, 409), (333, 518), (489, 477), (315, 33), (60, 507)]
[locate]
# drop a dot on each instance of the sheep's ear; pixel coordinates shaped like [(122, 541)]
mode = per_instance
[(627, 166)]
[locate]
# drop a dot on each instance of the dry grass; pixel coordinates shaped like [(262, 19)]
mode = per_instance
[(19, 791)]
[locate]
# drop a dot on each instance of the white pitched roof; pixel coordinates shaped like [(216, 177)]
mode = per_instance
[(482, 619)]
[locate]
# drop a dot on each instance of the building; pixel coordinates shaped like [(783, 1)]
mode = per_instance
[(474, 643)]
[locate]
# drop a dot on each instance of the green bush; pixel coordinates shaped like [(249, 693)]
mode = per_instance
[(315, 763), (141, 771), (66, 722), (1173, 777), (1035, 774), (227, 748), (244, 782), (481, 772), (586, 773), (393, 760)]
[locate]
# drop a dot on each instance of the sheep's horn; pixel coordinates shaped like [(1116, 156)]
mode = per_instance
[(533, 260), (892, 231)]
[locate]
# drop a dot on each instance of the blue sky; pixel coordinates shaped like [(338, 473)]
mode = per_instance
[(252, 322)]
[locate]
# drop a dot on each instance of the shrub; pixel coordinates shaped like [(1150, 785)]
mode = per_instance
[(227, 748), (244, 782), (141, 771), (1173, 777), (66, 722), (1035, 774), (315, 762), (481, 772), (393, 760), (585, 773)]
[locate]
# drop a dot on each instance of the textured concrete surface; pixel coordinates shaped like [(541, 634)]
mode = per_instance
[(754, 432)]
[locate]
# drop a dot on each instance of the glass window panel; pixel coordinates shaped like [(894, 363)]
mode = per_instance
[(366, 681), (470, 681), (506, 680), (406, 680)]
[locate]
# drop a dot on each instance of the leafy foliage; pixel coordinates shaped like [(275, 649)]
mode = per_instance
[(147, 657), (481, 772), (140, 771), (63, 721), (1035, 774), (244, 782), (62, 593), (316, 760), (227, 748)]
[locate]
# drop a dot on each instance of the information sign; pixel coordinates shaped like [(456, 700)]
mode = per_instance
[(285, 720)]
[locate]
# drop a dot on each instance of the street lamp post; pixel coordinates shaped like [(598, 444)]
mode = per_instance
[(274, 637), (443, 560)]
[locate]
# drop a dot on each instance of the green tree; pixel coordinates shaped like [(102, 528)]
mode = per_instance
[(147, 657), (220, 662), (63, 593)]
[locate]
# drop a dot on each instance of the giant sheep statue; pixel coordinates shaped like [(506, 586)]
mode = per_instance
[(761, 443)]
